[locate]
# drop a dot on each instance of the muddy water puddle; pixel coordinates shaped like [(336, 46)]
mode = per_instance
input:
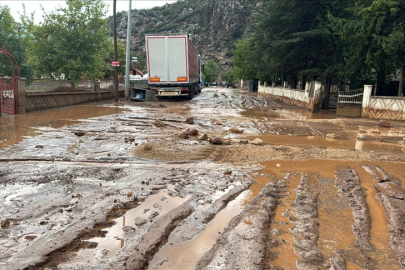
[(335, 230), (335, 234), (318, 141), (14, 128), (277, 113), (155, 205), (286, 257), (186, 255)]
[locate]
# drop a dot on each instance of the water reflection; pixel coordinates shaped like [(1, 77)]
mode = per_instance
[(14, 128)]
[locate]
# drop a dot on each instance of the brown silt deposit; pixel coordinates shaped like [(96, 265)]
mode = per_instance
[(251, 183)]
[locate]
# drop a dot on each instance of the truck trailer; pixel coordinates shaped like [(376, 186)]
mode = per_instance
[(174, 65)]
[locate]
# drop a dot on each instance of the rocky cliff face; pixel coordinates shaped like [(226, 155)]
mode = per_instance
[(213, 25)]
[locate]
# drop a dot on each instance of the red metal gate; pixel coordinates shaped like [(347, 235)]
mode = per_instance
[(9, 95), (9, 86)]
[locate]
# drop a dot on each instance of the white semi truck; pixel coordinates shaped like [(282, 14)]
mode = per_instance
[(174, 65)]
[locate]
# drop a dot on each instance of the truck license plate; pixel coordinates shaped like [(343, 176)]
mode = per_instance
[(169, 93)]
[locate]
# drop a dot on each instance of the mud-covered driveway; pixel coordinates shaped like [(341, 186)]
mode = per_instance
[(229, 180)]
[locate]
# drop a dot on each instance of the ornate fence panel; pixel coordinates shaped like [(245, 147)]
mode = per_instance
[(349, 103), (392, 108), (8, 96)]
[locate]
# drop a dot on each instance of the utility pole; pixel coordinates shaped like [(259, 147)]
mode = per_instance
[(115, 50), (128, 64)]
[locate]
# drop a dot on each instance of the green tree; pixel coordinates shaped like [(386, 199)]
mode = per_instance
[(14, 37), (374, 34), (244, 60), (211, 71), (230, 76), (295, 39), (72, 41)]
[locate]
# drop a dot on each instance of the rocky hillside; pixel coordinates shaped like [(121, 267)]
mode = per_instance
[(213, 25)]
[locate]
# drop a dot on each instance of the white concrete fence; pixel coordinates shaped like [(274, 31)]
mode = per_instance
[(375, 107), (303, 98)]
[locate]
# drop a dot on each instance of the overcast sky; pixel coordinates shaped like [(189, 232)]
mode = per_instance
[(50, 5)]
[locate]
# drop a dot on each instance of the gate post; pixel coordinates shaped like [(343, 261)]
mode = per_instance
[(15, 90), (22, 105), (1, 96), (366, 100)]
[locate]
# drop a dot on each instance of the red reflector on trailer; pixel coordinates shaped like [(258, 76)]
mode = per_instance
[(184, 89)]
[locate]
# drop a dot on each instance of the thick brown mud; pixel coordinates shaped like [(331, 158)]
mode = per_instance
[(14, 128), (117, 187), (351, 191), (337, 236), (185, 255), (251, 236)]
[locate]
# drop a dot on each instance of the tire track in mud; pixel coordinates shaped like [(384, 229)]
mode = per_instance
[(222, 202), (306, 226), (49, 251), (336, 242), (156, 237), (350, 189), (392, 198), (245, 242)]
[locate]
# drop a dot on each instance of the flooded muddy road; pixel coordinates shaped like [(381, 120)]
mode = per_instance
[(229, 180)]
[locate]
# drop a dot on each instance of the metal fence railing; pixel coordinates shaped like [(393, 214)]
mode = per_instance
[(351, 97), (349, 103)]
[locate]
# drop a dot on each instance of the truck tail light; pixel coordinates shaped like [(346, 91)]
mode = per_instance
[(181, 79), (184, 89), (155, 79)]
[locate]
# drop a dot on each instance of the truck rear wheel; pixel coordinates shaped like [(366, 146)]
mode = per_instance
[(191, 91)]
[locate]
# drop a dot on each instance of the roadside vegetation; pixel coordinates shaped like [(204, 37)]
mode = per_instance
[(337, 42), (345, 42), (69, 43)]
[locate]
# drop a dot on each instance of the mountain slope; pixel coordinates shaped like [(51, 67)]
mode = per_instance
[(213, 25)]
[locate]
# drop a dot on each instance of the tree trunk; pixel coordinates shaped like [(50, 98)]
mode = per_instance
[(282, 78), (328, 85), (304, 82), (274, 84), (380, 80), (72, 84), (401, 82), (292, 80)]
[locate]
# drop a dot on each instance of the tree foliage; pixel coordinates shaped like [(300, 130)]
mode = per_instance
[(15, 38), (230, 76), (243, 60), (374, 36), (293, 36), (211, 71), (73, 41), (351, 41)]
